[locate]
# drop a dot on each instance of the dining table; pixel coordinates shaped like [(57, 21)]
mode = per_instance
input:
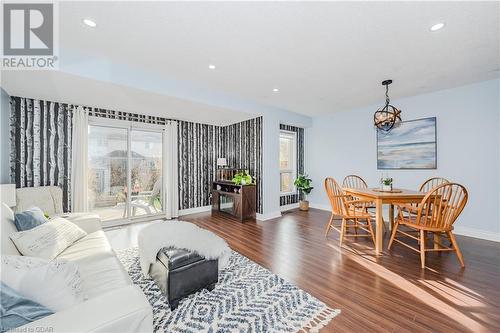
[(384, 197)]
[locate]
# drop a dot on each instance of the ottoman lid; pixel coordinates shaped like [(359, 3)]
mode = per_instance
[(174, 258)]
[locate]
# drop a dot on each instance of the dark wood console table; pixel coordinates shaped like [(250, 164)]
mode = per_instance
[(236, 200)]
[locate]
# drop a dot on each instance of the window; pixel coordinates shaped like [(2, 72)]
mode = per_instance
[(125, 172), (288, 161)]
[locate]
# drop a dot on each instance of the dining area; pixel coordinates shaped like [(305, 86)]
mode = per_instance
[(420, 219)]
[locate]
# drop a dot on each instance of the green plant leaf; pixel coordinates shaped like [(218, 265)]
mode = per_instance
[(303, 184), (244, 175)]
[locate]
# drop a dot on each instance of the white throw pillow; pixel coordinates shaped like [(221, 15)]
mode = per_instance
[(49, 239), (55, 284)]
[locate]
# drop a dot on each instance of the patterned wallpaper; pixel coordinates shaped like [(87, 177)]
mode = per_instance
[(40, 154), (294, 198), (199, 147), (41, 148), (243, 149)]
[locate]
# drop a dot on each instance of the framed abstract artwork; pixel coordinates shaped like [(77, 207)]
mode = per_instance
[(411, 144)]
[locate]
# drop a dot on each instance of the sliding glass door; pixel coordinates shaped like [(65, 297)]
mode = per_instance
[(125, 172), (107, 172), (146, 156)]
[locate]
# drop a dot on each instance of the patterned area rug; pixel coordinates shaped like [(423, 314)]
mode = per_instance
[(248, 298)]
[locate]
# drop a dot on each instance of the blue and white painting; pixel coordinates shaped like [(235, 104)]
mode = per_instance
[(409, 145)]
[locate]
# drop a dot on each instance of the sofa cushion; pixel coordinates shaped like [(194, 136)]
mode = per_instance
[(102, 276), (7, 228), (61, 281), (97, 263), (93, 246), (29, 219), (48, 198), (49, 239), (18, 310), (87, 221)]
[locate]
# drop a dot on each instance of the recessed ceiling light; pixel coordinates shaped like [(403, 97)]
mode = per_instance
[(211, 66), (437, 26), (276, 90), (90, 23)]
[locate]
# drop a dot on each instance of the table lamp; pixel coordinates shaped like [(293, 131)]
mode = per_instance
[(221, 162)]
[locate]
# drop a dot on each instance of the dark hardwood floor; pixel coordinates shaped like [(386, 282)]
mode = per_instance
[(389, 293)]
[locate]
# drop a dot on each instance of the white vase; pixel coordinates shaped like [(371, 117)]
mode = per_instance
[(387, 187), (243, 182)]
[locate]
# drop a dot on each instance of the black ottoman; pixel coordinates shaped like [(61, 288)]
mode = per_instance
[(180, 273)]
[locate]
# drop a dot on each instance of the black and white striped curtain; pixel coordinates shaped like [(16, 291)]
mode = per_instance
[(40, 133), (294, 198)]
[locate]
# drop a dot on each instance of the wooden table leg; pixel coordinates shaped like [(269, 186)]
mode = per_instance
[(378, 232), (391, 216)]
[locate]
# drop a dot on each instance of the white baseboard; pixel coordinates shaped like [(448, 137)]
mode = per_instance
[(320, 206), (476, 233), (464, 231), (288, 207), (196, 210), (268, 216), (260, 217)]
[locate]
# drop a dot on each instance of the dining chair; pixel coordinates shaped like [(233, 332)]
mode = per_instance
[(355, 181), (436, 213), (425, 187), (431, 183), (346, 208)]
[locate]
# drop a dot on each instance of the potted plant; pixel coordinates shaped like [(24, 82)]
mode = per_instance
[(303, 184), (242, 178), (387, 184)]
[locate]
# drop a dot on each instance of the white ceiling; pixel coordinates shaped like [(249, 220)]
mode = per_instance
[(72, 89), (323, 56)]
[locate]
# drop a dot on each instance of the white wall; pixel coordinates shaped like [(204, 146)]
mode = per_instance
[(468, 127), (4, 137), (270, 159)]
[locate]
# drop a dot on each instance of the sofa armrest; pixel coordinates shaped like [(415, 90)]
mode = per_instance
[(122, 310), (88, 222)]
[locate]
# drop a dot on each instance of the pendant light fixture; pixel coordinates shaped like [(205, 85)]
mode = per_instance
[(387, 116)]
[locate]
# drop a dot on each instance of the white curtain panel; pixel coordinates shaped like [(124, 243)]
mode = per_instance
[(79, 191), (170, 169)]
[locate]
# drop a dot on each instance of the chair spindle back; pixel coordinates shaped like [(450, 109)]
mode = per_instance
[(442, 205), (336, 196), (430, 183), (354, 181)]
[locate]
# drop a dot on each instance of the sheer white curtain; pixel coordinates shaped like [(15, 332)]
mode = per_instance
[(79, 143), (170, 165)]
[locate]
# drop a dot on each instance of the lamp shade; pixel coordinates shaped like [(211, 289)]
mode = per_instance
[(221, 161), (8, 194)]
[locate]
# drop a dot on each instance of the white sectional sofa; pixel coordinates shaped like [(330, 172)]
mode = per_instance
[(114, 303)]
